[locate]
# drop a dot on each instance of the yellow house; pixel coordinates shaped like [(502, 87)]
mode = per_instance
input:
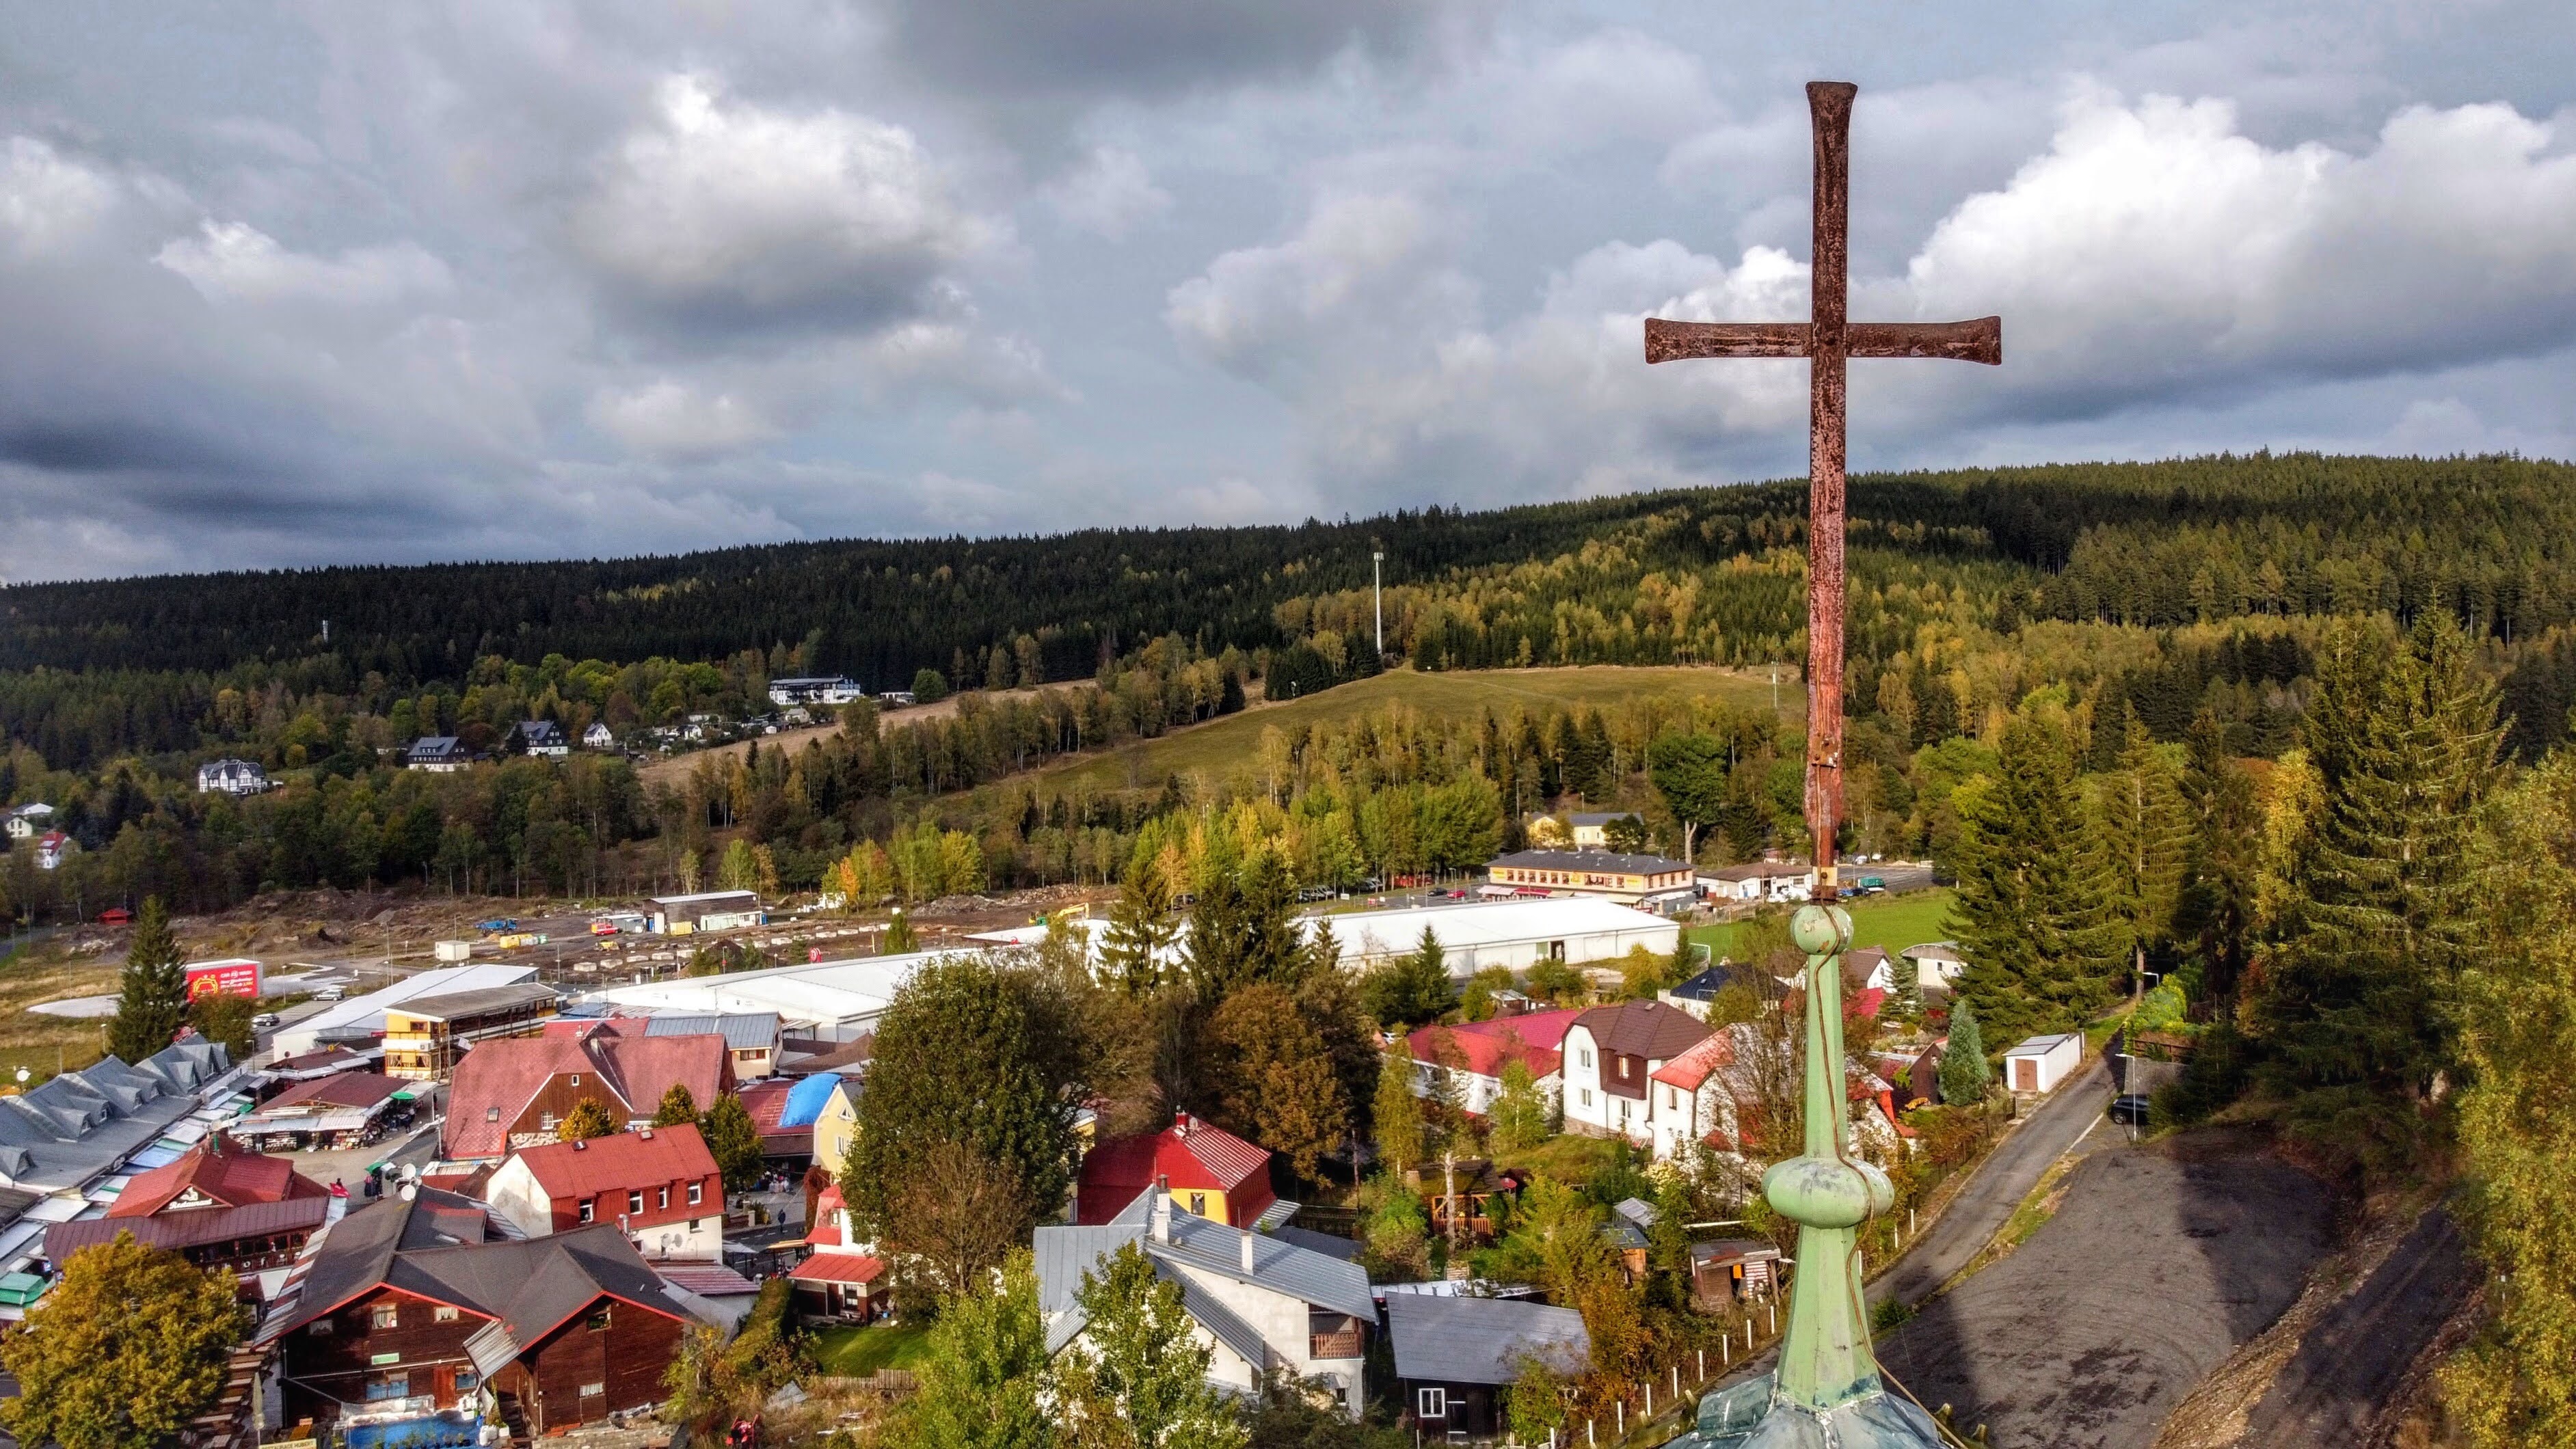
[(836, 1126), (425, 1036)]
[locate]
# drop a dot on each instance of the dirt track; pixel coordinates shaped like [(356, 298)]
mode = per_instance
[(2349, 1368), (2158, 1263)]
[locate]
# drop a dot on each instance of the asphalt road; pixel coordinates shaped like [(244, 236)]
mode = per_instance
[(1998, 1186), (2349, 1366), (2159, 1262)]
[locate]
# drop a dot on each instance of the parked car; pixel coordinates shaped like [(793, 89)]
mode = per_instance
[(263, 1021), (2129, 1110), (603, 928), (329, 993), (498, 923)]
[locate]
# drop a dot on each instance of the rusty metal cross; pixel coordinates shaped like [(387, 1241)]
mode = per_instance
[(1827, 340)]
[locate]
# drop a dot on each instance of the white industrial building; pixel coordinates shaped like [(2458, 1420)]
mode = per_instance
[(1517, 934), (823, 1000), (361, 1020), (1513, 934)]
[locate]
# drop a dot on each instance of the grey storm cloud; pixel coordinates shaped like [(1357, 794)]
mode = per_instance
[(287, 284)]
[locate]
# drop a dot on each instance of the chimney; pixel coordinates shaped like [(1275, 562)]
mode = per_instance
[(580, 1146), (644, 1134), (1180, 1124), (1161, 1218), (1248, 1240)]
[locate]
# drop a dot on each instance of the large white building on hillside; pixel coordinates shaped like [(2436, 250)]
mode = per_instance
[(1514, 934)]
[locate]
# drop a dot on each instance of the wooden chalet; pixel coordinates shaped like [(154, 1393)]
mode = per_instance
[(411, 1305)]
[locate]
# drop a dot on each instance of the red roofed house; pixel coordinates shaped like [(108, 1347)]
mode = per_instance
[(838, 1287), (1206, 1170), (1472, 1055), (659, 1184), (213, 1175), (512, 1092)]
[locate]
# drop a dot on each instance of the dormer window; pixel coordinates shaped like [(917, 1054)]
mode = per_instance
[(585, 1210)]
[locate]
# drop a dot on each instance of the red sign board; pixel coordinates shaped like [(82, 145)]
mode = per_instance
[(223, 978)]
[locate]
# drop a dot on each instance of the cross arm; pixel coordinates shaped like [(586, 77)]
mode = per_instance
[(1981, 340), (1673, 341)]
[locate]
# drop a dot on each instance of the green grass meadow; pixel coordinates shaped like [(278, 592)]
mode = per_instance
[(1889, 922)]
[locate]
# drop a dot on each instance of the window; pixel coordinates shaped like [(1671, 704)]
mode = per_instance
[(697, 1190), (384, 1315), (467, 1381), (1587, 1096), (389, 1386), (635, 1200), (319, 1328), (576, 1079), (592, 1391), (662, 1199), (442, 1314), (1587, 1056), (491, 1114), (1432, 1403), (1198, 1204), (585, 1210), (597, 1323)]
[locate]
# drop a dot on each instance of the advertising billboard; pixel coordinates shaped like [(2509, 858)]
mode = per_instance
[(238, 977)]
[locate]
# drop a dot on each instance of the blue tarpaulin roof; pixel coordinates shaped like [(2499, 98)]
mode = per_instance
[(805, 1100)]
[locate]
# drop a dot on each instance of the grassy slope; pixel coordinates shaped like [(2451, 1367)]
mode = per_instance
[(1890, 922), (42, 1043), (1223, 744)]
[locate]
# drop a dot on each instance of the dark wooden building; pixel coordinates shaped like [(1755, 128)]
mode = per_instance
[(418, 1300), (253, 1239), (1455, 1356)]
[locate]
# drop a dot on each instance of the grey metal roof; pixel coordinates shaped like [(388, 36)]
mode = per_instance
[(80, 1124), (1592, 860), (479, 1001), (1328, 1244), (1064, 1254), (742, 1030), (1481, 1340)]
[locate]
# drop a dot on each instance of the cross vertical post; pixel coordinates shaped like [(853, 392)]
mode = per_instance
[(1827, 1371)]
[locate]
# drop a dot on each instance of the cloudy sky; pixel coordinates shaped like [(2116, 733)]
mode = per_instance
[(292, 283)]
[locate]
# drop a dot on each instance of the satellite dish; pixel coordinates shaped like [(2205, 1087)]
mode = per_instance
[(410, 1172)]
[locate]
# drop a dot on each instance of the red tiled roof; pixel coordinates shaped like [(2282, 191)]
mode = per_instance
[(1692, 1067), (231, 1177), (838, 1268), (508, 1073), (620, 1161), (1191, 1153), (1484, 1046)]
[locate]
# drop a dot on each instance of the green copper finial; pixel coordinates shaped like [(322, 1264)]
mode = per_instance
[(1827, 1389)]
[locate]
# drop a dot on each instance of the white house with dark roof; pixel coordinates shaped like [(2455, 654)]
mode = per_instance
[(537, 737), (26, 822), (437, 754), (1258, 1303), (599, 737), (229, 776)]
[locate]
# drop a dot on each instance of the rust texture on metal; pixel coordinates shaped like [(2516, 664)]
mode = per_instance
[(1827, 340)]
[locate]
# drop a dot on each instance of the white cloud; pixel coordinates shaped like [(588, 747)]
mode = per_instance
[(2152, 255), (1111, 193), (49, 203), (232, 261), (721, 214), (675, 421), (1367, 271)]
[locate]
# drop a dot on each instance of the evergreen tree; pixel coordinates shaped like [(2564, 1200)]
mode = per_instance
[(734, 1141), (2214, 900), (1399, 1118), (2147, 838), (1410, 989), (2358, 995), (982, 1381), (2043, 944), (1141, 930), (1690, 772), (1965, 1074), (152, 995), (899, 938), (1278, 1083), (677, 1107)]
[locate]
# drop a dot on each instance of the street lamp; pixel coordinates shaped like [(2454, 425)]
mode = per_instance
[(1377, 591)]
